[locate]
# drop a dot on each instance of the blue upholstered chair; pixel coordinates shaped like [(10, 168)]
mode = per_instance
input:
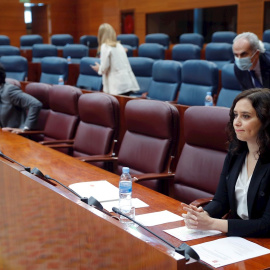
[(88, 78), (9, 50), (198, 78), (60, 40), (266, 36), (266, 46), (4, 40), (152, 50), (76, 52), (42, 50), (142, 69), (192, 38), (129, 50), (183, 52), (223, 37), (166, 80), (16, 67), (89, 40), (129, 39), (219, 53), (52, 67), (27, 41), (159, 38), (230, 86)]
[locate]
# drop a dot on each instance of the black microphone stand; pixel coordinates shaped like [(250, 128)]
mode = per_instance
[(184, 249), (28, 169)]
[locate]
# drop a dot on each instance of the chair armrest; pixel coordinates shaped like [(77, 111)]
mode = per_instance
[(60, 145), (29, 132), (57, 142), (201, 202), (150, 176), (97, 158)]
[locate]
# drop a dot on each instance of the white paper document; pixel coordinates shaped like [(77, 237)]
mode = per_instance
[(101, 190), (228, 250), (157, 218), (137, 203), (185, 234)]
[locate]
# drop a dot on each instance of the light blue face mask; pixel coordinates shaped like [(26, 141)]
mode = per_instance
[(244, 63)]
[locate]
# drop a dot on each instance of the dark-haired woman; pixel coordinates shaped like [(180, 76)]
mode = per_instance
[(244, 186)]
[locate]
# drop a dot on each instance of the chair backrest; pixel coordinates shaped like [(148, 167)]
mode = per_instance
[(183, 52), (42, 50), (4, 40), (166, 80), (223, 37), (219, 53), (41, 92), (159, 38), (152, 50), (201, 160), (89, 40), (76, 52), (16, 67), (192, 38), (129, 39), (88, 78), (27, 41), (52, 68), (150, 138), (63, 117), (60, 40), (9, 50), (230, 86), (142, 69), (129, 50), (98, 126), (198, 78)]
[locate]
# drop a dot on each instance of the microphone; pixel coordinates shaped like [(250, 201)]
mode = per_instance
[(90, 201), (14, 161), (184, 249)]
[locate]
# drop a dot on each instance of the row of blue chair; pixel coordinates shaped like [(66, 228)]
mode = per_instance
[(59, 40)]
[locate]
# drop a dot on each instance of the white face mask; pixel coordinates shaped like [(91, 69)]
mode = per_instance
[(244, 63)]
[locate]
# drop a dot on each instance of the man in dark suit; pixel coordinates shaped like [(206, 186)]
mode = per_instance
[(18, 110), (252, 62)]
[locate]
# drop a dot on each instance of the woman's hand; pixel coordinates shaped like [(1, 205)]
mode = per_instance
[(197, 218), (13, 130), (95, 67)]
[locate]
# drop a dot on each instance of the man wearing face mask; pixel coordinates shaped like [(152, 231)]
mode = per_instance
[(252, 62)]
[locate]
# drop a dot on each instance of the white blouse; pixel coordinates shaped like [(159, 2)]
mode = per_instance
[(241, 190)]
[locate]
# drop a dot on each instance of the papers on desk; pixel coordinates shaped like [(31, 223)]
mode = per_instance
[(186, 234), (137, 203), (101, 190), (228, 250), (157, 218)]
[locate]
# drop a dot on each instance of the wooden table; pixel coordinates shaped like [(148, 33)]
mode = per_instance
[(46, 227)]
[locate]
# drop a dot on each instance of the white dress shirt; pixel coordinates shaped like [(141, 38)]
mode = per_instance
[(241, 190)]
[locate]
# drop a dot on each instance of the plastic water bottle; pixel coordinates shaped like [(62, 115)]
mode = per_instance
[(69, 60), (61, 80), (208, 99), (125, 195)]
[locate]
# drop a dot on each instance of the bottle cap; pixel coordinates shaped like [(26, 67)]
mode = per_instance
[(125, 170), (208, 93)]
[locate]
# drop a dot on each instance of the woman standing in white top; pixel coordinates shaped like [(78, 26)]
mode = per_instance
[(244, 186), (117, 75)]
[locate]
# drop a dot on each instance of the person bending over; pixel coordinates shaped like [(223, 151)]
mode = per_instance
[(18, 110)]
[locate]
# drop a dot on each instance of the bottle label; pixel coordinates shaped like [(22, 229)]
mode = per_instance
[(125, 187)]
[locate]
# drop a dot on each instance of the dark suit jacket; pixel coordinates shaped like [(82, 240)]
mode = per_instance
[(244, 77), (258, 198), (13, 106)]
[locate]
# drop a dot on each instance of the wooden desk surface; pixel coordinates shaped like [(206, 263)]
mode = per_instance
[(69, 170)]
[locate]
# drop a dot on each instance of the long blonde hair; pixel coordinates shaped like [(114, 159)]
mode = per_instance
[(106, 34)]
